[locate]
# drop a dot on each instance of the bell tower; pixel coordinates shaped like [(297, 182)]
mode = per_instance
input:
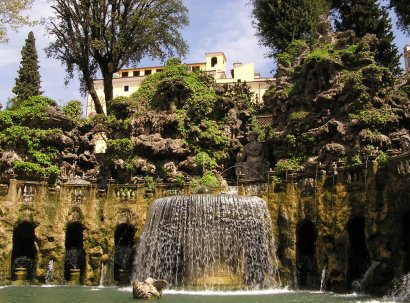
[(216, 64)]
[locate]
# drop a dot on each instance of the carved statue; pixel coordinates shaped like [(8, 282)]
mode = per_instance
[(149, 289), (252, 163), (405, 143)]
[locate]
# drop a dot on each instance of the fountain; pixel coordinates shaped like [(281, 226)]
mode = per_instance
[(50, 272), (323, 279), (361, 284), (101, 283), (123, 260), (400, 291), (73, 260), (22, 267), (208, 241)]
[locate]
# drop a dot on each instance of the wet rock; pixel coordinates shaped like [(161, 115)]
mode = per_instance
[(149, 289)]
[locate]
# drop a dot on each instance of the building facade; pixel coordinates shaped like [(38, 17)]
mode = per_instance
[(127, 81), (407, 58)]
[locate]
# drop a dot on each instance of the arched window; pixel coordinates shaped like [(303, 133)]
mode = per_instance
[(214, 61)]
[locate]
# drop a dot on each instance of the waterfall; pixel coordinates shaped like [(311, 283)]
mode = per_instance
[(360, 285), (207, 241), (400, 291), (101, 284), (323, 279), (50, 272)]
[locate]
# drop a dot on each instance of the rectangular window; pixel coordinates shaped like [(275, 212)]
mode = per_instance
[(148, 72), (126, 88), (195, 68), (159, 70), (124, 74), (136, 73)]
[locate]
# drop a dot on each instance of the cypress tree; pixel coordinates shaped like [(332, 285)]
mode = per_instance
[(368, 17), (28, 80)]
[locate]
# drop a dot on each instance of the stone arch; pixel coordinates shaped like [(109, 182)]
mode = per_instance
[(358, 254), (24, 249), (306, 254), (123, 252), (214, 61), (74, 263), (406, 242)]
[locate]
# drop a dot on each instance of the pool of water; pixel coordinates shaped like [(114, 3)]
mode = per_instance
[(61, 294)]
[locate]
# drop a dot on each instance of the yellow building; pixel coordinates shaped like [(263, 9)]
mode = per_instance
[(127, 81), (407, 58)]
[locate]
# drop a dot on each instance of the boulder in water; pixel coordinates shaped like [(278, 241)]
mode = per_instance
[(149, 289)]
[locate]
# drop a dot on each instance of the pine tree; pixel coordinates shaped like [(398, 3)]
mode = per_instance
[(367, 16), (28, 81), (402, 9), (279, 22)]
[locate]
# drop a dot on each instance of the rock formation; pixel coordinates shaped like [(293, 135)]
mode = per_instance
[(149, 289)]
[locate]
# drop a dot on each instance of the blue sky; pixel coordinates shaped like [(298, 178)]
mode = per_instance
[(216, 25)]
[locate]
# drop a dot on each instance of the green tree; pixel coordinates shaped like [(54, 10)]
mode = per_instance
[(402, 9), (11, 16), (368, 17), (105, 36), (28, 80), (279, 22)]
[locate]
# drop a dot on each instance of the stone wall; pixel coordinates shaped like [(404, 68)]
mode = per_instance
[(335, 202)]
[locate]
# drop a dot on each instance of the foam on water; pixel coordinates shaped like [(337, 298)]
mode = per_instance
[(271, 291)]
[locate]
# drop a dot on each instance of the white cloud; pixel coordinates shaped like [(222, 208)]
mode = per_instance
[(229, 29)]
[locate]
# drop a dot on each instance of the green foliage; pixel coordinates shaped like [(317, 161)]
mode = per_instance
[(11, 16), (74, 110), (204, 183), (299, 115), (110, 124), (34, 170), (150, 182), (28, 81), (205, 161), (356, 160), (376, 118), (285, 165), (87, 33), (293, 50), (240, 93), (212, 134), (290, 139), (264, 131), (383, 158), (278, 23), (32, 109), (368, 17), (209, 180), (402, 9), (120, 148)]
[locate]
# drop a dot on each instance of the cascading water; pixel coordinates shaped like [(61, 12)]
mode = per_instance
[(360, 285), (323, 279), (50, 272), (208, 241), (400, 291), (102, 276)]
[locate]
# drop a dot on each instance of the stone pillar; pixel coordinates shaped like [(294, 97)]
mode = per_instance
[(187, 187)]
